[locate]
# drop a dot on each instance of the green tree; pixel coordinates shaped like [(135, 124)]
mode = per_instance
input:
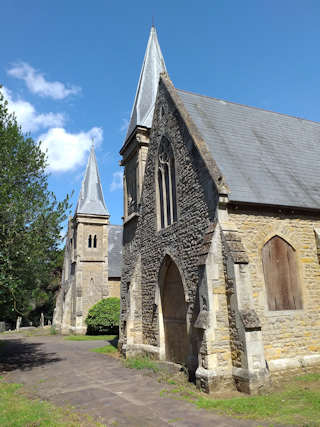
[(30, 221)]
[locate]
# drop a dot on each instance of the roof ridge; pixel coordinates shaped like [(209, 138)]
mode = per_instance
[(248, 106)]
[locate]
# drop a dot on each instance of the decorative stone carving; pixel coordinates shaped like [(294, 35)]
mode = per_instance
[(206, 243), (250, 320), (236, 248), (202, 321)]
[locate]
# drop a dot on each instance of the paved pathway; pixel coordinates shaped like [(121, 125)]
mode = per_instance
[(66, 372)]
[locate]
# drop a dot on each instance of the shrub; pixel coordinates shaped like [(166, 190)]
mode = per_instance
[(104, 316), (53, 330)]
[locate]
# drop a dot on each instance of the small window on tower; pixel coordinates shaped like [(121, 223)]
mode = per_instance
[(90, 241), (95, 241)]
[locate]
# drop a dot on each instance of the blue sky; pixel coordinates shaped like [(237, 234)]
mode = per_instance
[(70, 68)]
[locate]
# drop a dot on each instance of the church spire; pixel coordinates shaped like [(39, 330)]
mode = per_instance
[(153, 65), (91, 199)]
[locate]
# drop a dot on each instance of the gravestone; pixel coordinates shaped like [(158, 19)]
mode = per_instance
[(19, 319), (42, 321)]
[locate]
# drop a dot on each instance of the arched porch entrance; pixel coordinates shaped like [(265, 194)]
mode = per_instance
[(174, 313)]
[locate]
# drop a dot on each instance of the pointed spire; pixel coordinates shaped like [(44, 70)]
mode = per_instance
[(153, 65), (91, 199)]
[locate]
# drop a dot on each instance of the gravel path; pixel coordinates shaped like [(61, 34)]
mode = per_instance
[(67, 373)]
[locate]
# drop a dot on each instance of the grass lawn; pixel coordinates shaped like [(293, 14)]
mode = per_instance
[(296, 403), (141, 363), (91, 337), (107, 349), (17, 410), (111, 348)]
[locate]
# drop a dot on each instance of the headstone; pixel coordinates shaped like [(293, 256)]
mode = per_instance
[(19, 319), (2, 326), (42, 321), (49, 322)]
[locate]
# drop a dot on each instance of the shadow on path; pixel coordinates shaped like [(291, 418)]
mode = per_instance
[(18, 354)]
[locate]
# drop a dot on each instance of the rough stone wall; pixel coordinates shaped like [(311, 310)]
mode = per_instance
[(196, 205), (289, 334)]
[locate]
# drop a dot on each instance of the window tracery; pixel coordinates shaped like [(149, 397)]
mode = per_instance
[(166, 184)]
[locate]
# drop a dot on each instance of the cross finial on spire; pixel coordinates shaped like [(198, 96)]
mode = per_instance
[(152, 21), (92, 143)]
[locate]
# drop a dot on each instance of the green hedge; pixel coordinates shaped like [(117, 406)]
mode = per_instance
[(104, 317)]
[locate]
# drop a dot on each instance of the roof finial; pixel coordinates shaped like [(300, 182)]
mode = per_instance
[(152, 21), (92, 143)]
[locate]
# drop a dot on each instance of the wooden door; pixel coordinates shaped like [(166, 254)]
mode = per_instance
[(174, 312), (281, 275)]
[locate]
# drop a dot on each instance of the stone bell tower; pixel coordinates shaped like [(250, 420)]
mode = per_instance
[(85, 270)]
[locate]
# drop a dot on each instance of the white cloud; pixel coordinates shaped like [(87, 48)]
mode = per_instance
[(68, 150), (27, 117), (124, 126), (117, 178), (37, 83)]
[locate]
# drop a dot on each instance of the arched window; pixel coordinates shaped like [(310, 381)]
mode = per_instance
[(166, 184), (89, 241), (281, 275), (95, 241)]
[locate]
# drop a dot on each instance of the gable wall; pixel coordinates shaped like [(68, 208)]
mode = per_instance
[(291, 333), (183, 239), (196, 205)]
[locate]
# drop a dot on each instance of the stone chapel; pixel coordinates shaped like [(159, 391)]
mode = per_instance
[(221, 243), (92, 257)]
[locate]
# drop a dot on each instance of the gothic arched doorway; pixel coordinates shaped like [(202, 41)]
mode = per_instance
[(174, 312)]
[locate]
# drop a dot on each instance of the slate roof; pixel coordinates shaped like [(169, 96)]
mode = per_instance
[(91, 199), (153, 65), (115, 250), (265, 157)]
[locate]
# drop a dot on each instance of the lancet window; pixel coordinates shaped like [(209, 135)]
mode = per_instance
[(89, 241), (166, 184), (95, 241), (281, 275), (131, 184)]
